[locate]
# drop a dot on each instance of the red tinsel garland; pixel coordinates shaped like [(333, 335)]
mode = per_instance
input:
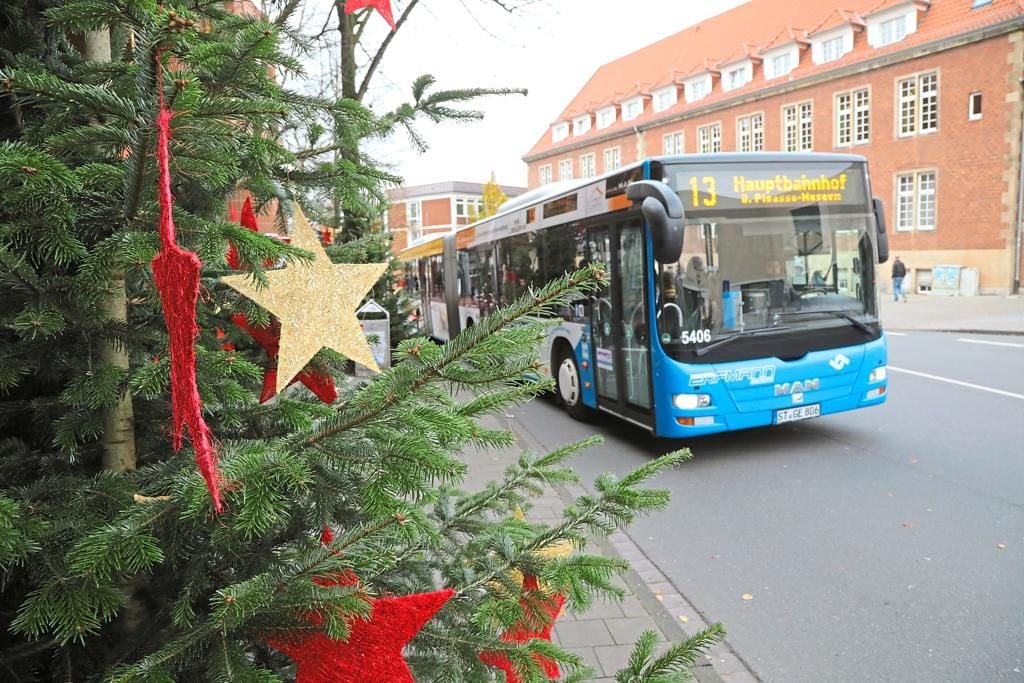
[(177, 280)]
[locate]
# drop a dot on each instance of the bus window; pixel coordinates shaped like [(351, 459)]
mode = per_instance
[(518, 267), (481, 278)]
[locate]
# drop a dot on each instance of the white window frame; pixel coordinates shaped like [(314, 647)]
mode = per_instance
[(971, 114), (791, 51), (565, 169), (605, 117), (853, 117), (916, 200), (737, 75), (697, 88), (581, 124), (823, 46), (750, 132), (560, 131), (544, 174), (414, 218), (632, 108), (588, 165), (612, 158), (798, 119), (709, 138), (665, 98), (673, 143), (917, 98), (881, 25)]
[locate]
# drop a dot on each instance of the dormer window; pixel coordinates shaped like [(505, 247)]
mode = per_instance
[(781, 64), (892, 30), (581, 124), (698, 88), (664, 98), (605, 117), (832, 49), (892, 26), (737, 75), (632, 108), (559, 132), (832, 45)]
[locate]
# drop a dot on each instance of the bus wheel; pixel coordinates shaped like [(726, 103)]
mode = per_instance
[(570, 388)]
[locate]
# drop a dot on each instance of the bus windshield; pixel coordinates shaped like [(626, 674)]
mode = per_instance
[(774, 250)]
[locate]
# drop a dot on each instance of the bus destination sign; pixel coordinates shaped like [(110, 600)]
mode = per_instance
[(711, 188)]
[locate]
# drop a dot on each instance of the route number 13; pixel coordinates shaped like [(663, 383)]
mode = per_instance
[(710, 191)]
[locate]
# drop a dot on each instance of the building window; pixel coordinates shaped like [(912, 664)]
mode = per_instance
[(665, 98), (832, 49), (544, 174), (631, 109), (696, 90), (750, 133), (606, 117), (672, 143), (709, 138), (588, 166), (581, 125), (736, 78), (414, 217), (612, 159), (915, 201), (464, 207), (974, 106), (853, 117), (565, 169), (892, 31), (559, 132), (782, 64), (797, 128), (919, 104)]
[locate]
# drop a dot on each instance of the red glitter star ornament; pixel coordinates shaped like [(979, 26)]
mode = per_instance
[(550, 609), (373, 651), (383, 7)]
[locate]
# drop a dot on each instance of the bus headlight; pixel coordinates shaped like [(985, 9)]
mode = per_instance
[(691, 401), (877, 375)]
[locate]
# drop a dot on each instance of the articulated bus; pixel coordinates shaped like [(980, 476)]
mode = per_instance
[(741, 288)]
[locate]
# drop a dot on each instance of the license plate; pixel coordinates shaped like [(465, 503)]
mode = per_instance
[(798, 413)]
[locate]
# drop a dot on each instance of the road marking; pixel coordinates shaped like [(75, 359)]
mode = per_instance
[(896, 334), (990, 343), (937, 378)]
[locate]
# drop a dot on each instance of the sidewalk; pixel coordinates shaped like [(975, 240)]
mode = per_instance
[(604, 635), (965, 314)]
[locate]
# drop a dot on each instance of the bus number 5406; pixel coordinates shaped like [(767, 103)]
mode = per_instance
[(696, 336)]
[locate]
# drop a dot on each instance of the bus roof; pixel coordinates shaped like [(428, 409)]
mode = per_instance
[(430, 246)]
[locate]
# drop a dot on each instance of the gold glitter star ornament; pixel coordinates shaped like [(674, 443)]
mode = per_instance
[(315, 302)]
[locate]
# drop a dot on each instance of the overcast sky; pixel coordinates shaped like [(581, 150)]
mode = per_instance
[(551, 48)]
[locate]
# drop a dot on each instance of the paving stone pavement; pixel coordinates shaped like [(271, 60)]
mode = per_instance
[(604, 635)]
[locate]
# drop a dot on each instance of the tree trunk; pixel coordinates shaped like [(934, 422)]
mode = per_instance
[(346, 223), (119, 421)]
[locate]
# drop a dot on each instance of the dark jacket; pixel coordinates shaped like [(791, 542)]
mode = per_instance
[(898, 269)]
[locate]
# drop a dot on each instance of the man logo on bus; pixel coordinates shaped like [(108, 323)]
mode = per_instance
[(794, 388)]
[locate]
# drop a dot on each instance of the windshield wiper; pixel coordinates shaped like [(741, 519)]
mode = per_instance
[(859, 324), (739, 335)]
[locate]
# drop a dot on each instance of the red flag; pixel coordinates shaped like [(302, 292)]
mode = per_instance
[(383, 7)]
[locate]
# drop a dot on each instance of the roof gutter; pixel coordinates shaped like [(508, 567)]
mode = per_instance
[(915, 52)]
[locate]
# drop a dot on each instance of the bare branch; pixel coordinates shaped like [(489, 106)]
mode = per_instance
[(375, 62)]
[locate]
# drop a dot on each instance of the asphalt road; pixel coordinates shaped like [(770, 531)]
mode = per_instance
[(880, 545)]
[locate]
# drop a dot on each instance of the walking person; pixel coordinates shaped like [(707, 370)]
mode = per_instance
[(899, 271)]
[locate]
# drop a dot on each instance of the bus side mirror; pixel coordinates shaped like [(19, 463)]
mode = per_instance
[(883, 237), (664, 214)]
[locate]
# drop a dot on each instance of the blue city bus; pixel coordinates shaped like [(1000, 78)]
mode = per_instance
[(741, 289)]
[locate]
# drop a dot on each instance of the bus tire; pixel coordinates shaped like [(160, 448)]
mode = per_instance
[(570, 387)]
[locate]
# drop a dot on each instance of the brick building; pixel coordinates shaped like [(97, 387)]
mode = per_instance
[(418, 211), (929, 92)]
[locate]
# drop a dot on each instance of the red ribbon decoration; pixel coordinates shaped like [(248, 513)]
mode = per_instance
[(177, 280)]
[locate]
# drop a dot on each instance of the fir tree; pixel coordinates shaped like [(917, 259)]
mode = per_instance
[(128, 575)]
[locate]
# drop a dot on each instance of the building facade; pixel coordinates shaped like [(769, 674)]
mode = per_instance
[(929, 92), (419, 211)]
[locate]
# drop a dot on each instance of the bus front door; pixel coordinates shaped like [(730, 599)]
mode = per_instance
[(619, 322)]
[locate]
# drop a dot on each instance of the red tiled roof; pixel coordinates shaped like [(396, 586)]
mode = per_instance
[(764, 23), (840, 17)]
